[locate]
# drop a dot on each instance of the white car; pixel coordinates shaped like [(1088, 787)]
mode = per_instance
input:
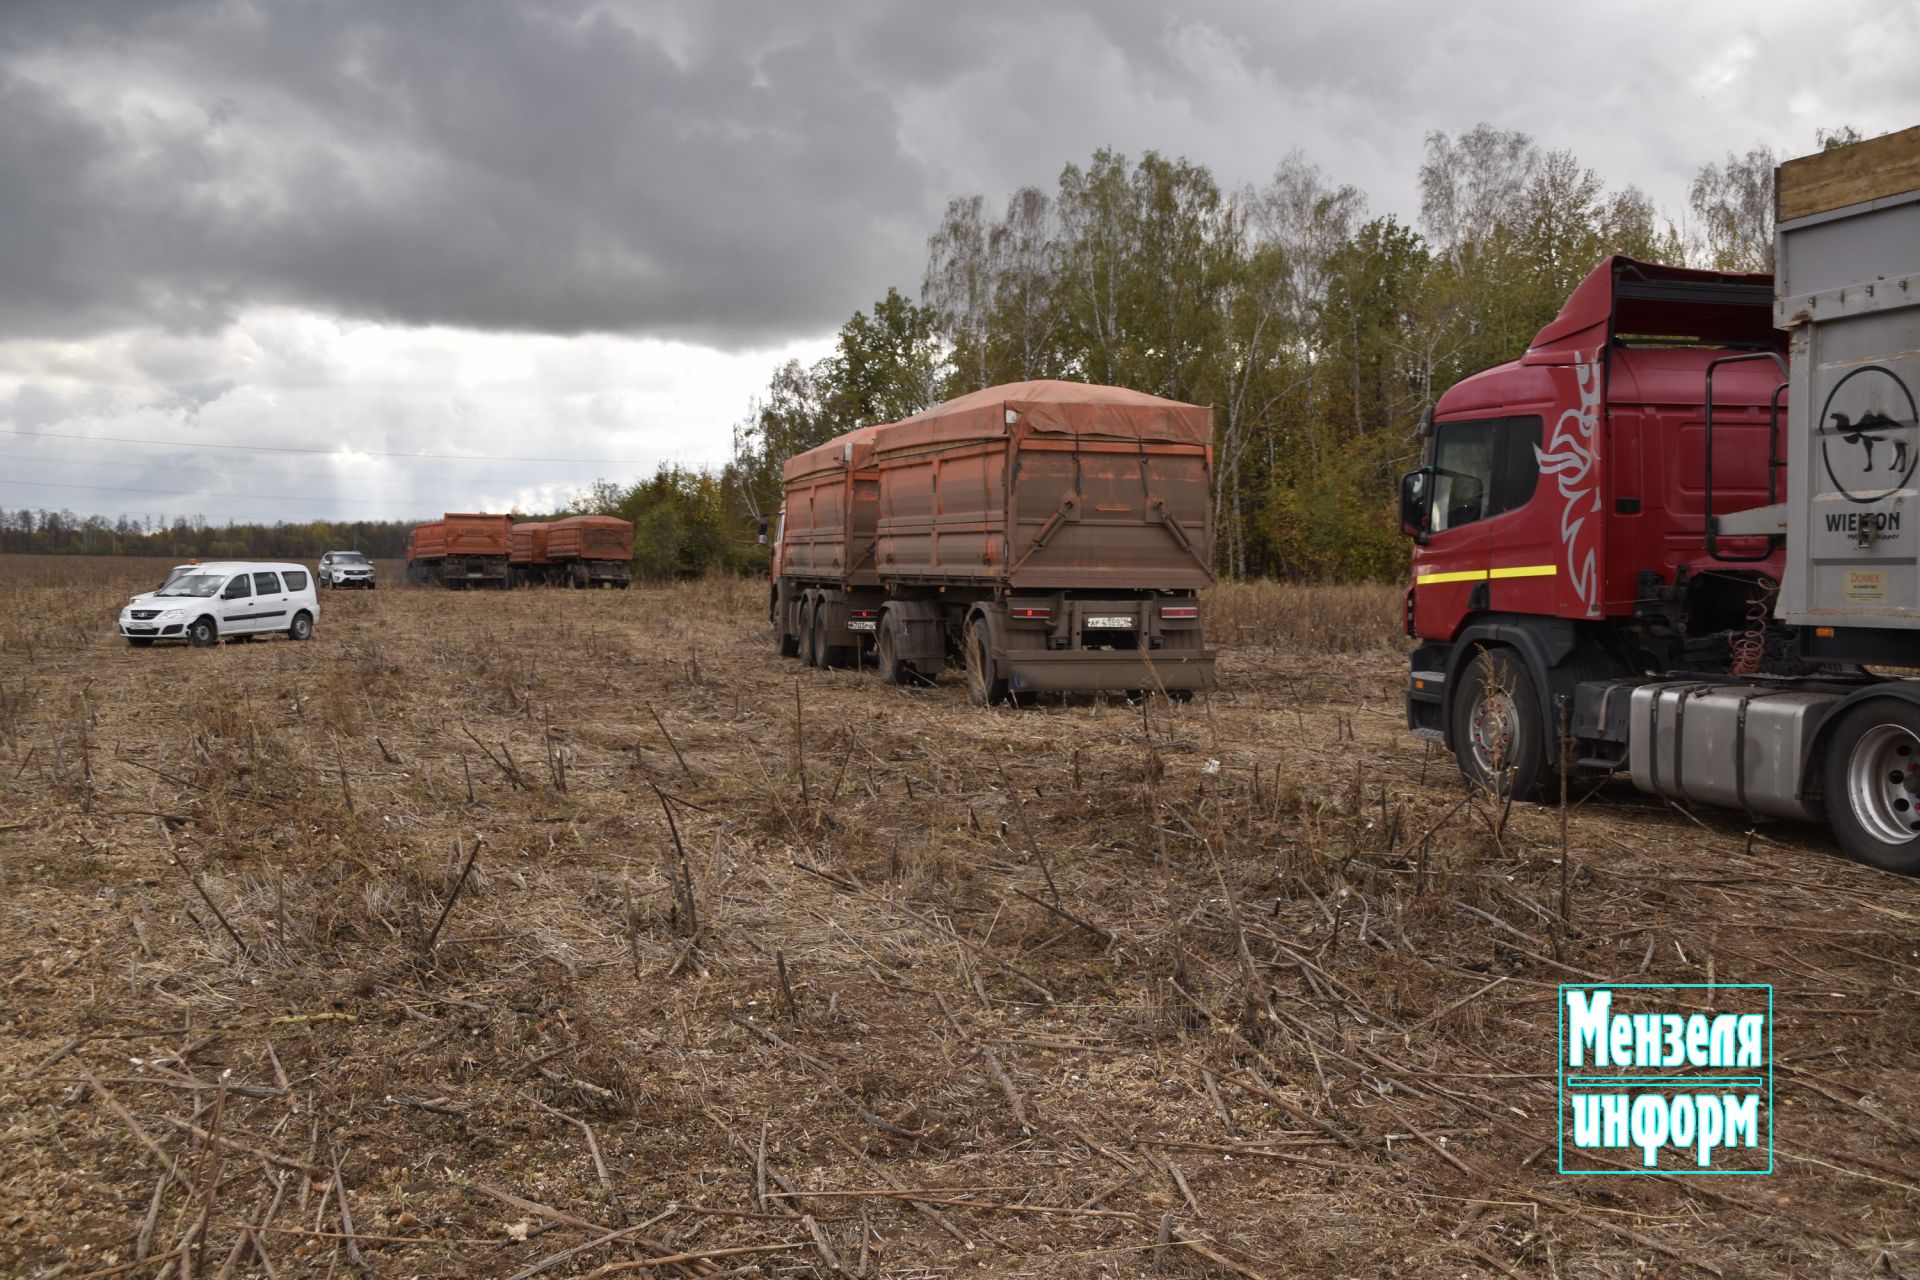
[(233, 598), (346, 569)]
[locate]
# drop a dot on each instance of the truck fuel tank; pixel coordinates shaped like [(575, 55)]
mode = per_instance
[(1740, 746)]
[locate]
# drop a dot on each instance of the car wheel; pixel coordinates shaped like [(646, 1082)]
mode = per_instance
[(203, 632), (302, 628)]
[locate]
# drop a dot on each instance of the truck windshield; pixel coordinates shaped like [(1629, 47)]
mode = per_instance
[(194, 584)]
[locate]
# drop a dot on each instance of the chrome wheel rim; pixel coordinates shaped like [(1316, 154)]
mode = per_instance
[(1490, 732), (1883, 783)]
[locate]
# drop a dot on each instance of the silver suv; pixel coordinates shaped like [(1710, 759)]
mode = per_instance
[(346, 569)]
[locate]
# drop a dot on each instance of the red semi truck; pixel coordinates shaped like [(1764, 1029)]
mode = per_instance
[(1680, 531), (1053, 535), (459, 550)]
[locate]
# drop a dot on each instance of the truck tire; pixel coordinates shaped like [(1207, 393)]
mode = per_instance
[(809, 640), (985, 685), (785, 645), (1872, 778), (893, 670), (1498, 734)]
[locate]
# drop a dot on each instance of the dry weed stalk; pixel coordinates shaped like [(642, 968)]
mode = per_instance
[(1307, 975)]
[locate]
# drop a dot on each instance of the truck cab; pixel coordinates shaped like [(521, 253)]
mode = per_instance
[(1671, 539), (1566, 521)]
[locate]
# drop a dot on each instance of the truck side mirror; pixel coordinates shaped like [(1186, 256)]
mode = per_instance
[(1414, 508), (763, 533)]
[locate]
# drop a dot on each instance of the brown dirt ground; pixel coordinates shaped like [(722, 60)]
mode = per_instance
[(1107, 1006)]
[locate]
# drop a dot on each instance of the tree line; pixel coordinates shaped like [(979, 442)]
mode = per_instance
[(1318, 331), (45, 532), (684, 527)]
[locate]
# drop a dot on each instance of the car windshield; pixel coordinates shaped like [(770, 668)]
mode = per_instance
[(348, 557), (193, 584)]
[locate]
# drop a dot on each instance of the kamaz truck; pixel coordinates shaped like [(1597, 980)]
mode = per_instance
[(1051, 536), (1679, 537)]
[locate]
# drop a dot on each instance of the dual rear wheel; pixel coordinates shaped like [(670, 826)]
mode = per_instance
[(1871, 775), (1869, 770)]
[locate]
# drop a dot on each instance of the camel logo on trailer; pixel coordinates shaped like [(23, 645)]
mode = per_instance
[(1673, 1078), (1866, 445)]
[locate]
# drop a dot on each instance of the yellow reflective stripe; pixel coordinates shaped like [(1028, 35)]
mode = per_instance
[(1481, 575)]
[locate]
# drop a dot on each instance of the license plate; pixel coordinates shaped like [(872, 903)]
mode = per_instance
[(1111, 621), (858, 625)]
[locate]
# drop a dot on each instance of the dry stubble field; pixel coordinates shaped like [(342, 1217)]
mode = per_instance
[(905, 989)]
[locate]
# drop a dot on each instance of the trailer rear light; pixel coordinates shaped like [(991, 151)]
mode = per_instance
[(1031, 613), (863, 613), (1180, 611)]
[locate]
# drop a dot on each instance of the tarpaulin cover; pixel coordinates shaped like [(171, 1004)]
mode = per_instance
[(590, 538), (834, 455), (1066, 408)]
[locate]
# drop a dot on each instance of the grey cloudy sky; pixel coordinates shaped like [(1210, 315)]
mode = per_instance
[(589, 230)]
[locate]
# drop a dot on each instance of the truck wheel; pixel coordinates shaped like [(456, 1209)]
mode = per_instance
[(985, 685), (1498, 736), (887, 657), (785, 645), (826, 654), (809, 655), (1872, 776), (203, 633)]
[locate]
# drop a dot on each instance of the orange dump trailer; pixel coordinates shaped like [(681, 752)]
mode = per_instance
[(1051, 535), (459, 550), (527, 552), (591, 551)]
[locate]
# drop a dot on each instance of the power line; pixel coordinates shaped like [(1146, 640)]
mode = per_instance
[(212, 497), (451, 481), (365, 453)]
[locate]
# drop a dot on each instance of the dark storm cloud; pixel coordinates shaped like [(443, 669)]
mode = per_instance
[(474, 164), (734, 173)]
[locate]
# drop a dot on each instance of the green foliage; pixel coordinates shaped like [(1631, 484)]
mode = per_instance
[(680, 526)]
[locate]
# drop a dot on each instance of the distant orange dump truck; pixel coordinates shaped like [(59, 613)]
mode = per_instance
[(1050, 535), (591, 551), (459, 550)]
